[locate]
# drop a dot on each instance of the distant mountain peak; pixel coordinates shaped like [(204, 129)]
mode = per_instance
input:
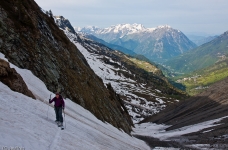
[(64, 23), (123, 29)]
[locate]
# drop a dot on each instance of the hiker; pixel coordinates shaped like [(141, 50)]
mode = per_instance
[(59, 107)]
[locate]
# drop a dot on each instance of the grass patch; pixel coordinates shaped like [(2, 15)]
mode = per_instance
[(200, 80)]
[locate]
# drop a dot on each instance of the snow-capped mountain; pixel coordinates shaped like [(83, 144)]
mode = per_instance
[(143, 93), (115, 31), (158, 44)]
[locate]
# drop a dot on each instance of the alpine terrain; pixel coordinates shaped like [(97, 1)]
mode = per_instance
[(30, 39), (200, 57), (200, 80), (207, 109), (29, 124), (157, 44), (112, 100), (140, 84)]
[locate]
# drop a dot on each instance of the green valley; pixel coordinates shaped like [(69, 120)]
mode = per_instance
[(200, 80), (200, 57)]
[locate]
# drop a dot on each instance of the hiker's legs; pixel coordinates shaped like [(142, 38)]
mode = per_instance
[(56, 113), (59, 116)]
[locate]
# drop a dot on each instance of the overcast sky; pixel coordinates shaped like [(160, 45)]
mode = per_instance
[(206, 16)]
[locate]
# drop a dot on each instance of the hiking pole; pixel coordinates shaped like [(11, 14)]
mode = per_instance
[(48, 106), (64, 118)]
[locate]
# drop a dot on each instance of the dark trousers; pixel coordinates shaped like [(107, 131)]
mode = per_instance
[(58, 112)]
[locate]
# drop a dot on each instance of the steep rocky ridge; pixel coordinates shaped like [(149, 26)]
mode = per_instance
[(30, 39), (64, 23), (141, 84)]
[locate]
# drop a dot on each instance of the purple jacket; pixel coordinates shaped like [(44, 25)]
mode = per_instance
[(59, 102)]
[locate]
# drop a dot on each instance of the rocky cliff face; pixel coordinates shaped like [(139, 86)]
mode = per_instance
[(12, 79), (64, 23), (30, 39)]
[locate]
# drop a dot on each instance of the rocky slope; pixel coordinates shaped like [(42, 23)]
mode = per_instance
[(112, 46), (157, 44), (139, 83), (13, 80), (30, 39), (210, 104)]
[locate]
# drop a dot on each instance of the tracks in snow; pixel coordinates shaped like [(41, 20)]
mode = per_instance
[(55, 140)]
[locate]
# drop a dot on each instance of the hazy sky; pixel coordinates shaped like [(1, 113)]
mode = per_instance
[(206, 16)]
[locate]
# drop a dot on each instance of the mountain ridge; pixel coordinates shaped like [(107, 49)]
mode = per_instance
[(157, 44), (200, 57)]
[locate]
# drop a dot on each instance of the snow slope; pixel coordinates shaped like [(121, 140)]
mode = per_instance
[(158, 130), (28, 123)]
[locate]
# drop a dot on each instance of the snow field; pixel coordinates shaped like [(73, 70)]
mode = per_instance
[(158, 130), (29, 123)]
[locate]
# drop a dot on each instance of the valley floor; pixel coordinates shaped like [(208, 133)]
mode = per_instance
[(186, 137)]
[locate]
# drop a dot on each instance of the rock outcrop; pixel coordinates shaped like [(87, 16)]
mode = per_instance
[(13, 80)]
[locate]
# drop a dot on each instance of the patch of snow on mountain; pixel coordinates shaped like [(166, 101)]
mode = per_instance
[(121, 84), (158, 130)]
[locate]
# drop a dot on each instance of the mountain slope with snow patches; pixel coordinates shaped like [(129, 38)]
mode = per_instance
[(28, 123), (143, 93), (33, 41)]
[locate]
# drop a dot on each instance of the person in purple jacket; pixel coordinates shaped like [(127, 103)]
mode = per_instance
[(59, 107)]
